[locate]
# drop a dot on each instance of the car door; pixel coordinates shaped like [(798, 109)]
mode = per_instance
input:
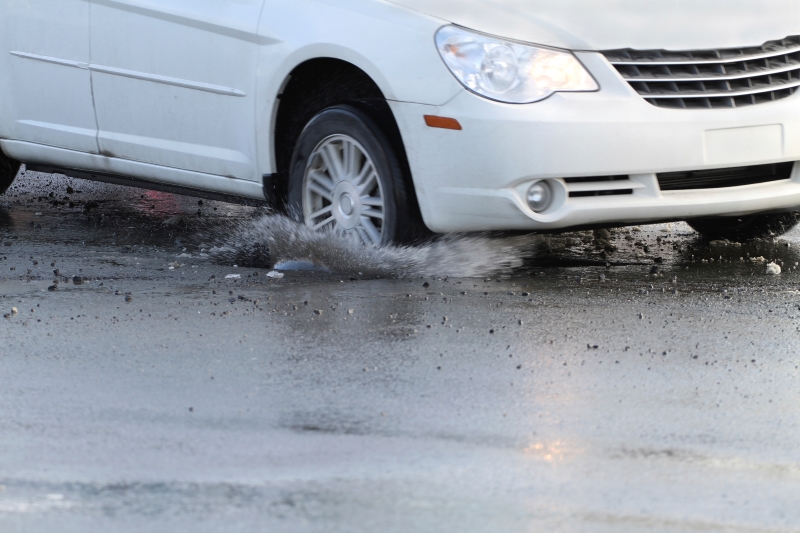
[(46, 84), (174, 82)]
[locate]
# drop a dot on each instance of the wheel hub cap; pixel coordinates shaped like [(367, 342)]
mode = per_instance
[(346, 205)]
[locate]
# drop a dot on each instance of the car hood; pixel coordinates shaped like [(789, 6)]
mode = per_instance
[(611, 24)]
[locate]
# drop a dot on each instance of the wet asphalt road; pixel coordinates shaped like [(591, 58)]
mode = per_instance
[(154, 399)]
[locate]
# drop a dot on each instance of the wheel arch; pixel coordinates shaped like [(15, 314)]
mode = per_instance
[(315, 83)]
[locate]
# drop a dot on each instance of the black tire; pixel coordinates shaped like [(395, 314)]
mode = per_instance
[(399, 224), (746, 227), (8, 171)]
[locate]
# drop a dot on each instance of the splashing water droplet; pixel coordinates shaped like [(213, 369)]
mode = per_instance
[(458, 256)]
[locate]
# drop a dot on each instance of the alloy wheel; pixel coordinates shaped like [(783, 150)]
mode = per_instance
[(342, 191)]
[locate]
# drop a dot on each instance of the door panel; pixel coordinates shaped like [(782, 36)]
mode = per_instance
[(174, 82), (46, 90)]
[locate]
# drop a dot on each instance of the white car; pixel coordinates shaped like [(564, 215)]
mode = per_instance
[(387, 118)]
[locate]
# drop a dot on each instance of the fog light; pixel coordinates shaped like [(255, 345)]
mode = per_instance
[(540, 196)]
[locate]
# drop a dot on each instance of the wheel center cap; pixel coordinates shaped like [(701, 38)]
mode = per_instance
[(346, 204)]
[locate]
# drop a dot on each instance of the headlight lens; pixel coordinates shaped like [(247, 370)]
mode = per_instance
[(508, 71)]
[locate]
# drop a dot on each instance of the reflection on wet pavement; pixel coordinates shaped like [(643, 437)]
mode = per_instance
[(52, 207)]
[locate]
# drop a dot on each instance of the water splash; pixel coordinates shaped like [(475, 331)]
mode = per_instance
[(274, 239)]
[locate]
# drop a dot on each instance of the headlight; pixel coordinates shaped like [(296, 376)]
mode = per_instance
[(508, 71)]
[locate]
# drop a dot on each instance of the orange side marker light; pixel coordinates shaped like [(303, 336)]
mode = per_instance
[(442, 122)]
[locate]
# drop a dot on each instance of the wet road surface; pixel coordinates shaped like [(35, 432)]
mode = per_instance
[(646, 381)]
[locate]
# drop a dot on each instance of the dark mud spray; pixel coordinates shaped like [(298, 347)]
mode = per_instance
[(462, 256)]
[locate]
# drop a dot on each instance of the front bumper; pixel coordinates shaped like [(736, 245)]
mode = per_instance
[(476, 179)]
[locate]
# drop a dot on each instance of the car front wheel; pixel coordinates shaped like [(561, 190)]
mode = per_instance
[(346, 177)]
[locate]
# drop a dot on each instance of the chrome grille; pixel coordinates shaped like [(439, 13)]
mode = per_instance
[(724, 78)]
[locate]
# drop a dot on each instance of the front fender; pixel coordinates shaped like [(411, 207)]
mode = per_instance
[(393, 45)]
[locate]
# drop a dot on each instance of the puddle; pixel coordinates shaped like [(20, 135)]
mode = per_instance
[(285, 241), (300, 266)]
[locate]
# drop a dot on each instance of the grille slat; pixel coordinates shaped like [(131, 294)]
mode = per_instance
[(725, 177), (789, 45), (601, 186), (722, 78), (669, 76), (718, 92)]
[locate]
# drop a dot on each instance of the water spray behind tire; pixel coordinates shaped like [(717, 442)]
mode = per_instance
[(274, 239)]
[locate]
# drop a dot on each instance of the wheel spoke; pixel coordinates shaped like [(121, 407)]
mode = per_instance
[(323, 179), (366, 169), (373, 201), (372, 213), (363, 235), (332, 157), (370, 183), (372, 231), (323, 223), (316, 188), (351, 159), (325, 210)]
